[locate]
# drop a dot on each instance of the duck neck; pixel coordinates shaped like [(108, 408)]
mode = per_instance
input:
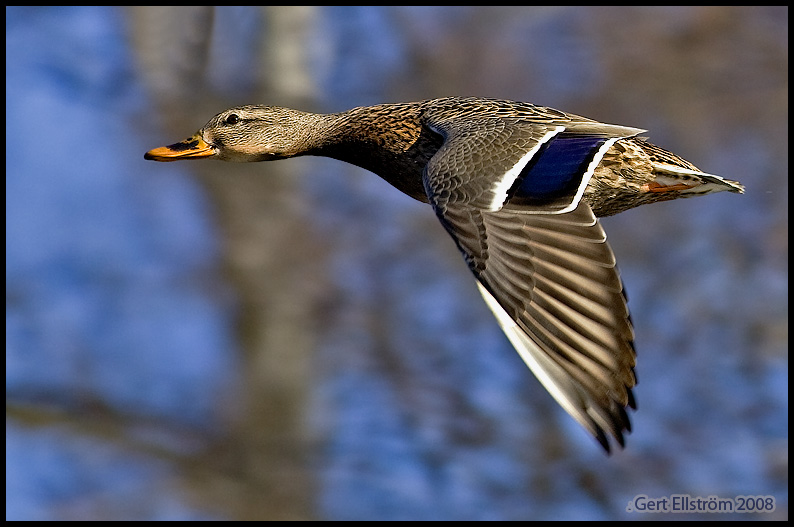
[(387, 139)]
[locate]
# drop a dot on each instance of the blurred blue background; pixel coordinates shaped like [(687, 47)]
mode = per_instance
[(297, 340)]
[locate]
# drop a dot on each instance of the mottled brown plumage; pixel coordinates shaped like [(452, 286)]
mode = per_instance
[(518, 187)]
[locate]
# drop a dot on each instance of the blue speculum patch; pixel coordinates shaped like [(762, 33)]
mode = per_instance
[(556, 170)]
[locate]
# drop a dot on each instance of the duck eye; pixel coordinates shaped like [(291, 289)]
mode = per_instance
[(232, 119)]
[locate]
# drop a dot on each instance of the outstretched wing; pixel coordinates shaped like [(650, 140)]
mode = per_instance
[(509, 192)]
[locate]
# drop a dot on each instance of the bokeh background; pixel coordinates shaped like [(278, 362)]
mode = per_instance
[(297, 340)]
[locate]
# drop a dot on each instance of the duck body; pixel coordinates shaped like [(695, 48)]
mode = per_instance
[(518, 187)]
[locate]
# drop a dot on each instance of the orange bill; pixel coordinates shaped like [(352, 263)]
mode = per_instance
[(191, 148)]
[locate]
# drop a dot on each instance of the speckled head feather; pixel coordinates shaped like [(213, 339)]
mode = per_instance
[(518, 187)]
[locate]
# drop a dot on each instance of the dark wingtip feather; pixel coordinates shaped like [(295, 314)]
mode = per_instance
[(601, 438), (632, 401)]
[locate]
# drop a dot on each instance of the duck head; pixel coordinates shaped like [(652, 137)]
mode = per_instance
[(245, 134)]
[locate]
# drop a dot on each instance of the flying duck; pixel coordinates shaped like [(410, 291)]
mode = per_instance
[(519, 188)]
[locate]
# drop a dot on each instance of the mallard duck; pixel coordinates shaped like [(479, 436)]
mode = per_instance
[(519, 188)]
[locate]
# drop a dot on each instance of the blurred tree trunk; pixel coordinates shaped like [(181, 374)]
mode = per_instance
[(257, 470)]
